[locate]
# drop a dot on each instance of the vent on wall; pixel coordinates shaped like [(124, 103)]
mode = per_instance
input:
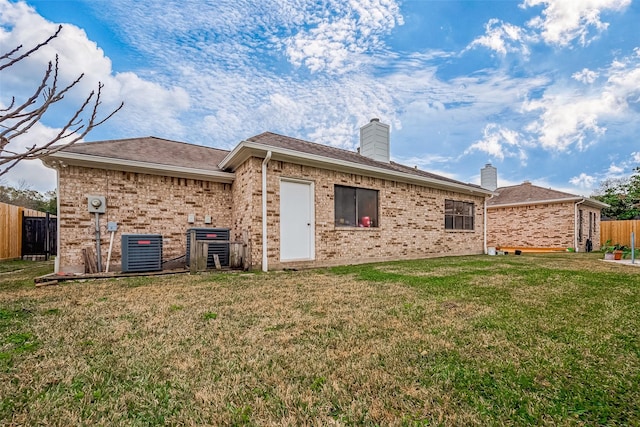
[(141, 252), (212, 235)]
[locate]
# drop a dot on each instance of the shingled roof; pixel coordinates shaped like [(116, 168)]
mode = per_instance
[(173, 154), (280, 141), (154, 150), (527, 193)]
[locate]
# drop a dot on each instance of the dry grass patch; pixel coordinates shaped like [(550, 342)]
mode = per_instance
[(476, 341)]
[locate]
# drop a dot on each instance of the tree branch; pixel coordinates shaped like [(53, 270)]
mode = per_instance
[(17, 120), (7, 56)]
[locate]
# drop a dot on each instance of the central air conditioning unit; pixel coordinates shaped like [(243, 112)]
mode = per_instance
[(211, 235), (141, 252)]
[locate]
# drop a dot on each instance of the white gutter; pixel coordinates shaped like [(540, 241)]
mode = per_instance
[(56, 268), (138, 166), (575, 224), (265, 266)]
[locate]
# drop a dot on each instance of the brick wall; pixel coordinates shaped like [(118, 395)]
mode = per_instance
[(548, 225), (139, 203), (590, 227), (247, 203), (411, 221), (411, 217)]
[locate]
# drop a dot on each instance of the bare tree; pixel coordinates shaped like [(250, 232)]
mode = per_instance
[(17, 119)]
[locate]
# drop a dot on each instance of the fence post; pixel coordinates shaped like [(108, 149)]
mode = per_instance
[(202, 255), (235, 254), (192, 252), (47, 237)]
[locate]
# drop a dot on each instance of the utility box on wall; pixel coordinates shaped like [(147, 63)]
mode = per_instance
[(141, 252), (211, 235), (97, 204)]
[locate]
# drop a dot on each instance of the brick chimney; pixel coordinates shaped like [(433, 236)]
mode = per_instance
[(374, 141)]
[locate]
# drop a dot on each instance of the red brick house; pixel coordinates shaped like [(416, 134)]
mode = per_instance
[(297, 203), (530, 218)]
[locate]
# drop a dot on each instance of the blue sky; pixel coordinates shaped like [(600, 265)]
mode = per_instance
[(545, 90)]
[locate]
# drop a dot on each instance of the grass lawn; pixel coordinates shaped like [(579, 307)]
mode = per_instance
[(505, 340)]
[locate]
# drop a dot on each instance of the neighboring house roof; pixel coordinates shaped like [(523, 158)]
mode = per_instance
[(310, 153), (529, 194), (147, 154)]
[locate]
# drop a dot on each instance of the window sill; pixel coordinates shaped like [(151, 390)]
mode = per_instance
[(459, 231), (347, 228)]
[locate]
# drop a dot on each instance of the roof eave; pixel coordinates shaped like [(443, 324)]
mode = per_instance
[(240, 154), (247, 149), (596, 203), (62, 158), (591, 202)]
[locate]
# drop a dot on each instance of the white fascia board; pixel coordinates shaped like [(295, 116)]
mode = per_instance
[(100, 162), (595, 203), (591, 202), (227, 161), (247, 149)]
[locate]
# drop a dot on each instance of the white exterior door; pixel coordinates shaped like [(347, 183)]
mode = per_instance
[(297, 226)]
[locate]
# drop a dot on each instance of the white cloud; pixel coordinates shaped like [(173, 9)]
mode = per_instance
[(425, 162), (149, 108), (234, 94), (583, 181), (563, 21), (21, 25), (500, 142), (623, 166), (217, 72), (585, 76), (624, 82), (615, 170), (503, 38), (568, 120), (333, 43), (329, 36), (572, 116)]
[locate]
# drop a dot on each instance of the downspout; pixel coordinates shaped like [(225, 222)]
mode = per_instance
[(56, 267), (575, 225), (265, 267)]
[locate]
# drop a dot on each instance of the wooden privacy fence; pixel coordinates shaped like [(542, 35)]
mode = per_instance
[(619, 232), (11, 229)]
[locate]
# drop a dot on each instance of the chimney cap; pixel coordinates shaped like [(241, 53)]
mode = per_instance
[(375, 119)]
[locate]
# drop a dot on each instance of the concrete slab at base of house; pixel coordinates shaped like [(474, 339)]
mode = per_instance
[(623, 262), (523, 249)]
